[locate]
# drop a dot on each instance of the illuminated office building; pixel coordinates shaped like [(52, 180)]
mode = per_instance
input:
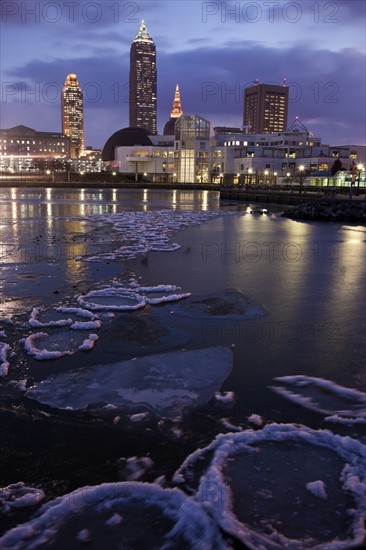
[(266, 108), (73, 115), (143, 81)]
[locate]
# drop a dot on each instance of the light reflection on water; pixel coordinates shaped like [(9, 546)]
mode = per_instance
[(308, 277)]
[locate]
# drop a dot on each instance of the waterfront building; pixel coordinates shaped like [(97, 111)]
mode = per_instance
[(265, 108), (275, 158), (23, 148), (140, 156), (191, 156), (73, 115), (192, 149), (143, 81)]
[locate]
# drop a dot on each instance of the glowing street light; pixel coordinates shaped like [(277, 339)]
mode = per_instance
[(360, 168), (301, 169)]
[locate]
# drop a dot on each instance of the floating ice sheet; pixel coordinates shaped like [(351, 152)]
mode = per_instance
[(44, 345), (337, 403), (229, 304), (167, 383), (4, 364), (64, 317), (18, 495), (141, 232), (143, 333), (118, 515), (283, 487), (50, 318), (112, 299)]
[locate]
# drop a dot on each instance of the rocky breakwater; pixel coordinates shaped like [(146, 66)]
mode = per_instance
[(341, 210)]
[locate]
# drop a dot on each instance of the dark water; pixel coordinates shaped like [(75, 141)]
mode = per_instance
[(308, 278)]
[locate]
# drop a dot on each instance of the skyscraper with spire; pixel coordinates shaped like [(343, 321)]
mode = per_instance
[(73, 115), (175, 113), (143, 81)]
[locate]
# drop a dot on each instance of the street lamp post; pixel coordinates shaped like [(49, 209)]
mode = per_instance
[(360, 168), (275, 177), (266, 172), (250, 172), (221, 178), (145, 176), (301, 169)]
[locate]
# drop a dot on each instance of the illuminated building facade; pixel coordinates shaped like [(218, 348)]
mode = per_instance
[(192, 149), (266, 108), (143, 81), (73, 115), (176, 112)]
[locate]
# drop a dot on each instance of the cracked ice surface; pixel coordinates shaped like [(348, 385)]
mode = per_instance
[(166, 383)]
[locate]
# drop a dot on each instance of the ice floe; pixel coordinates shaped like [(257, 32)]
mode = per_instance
[(256, 420), (4, 364), (229, 304), (18, 495), (162, 294), (141, 232), (225, 397), (34, 321), (30, 345), (260, 487), (115, 515), (337, 403), (139, 417), (89, 342), (43, 345), (134, 468), (55, 318), (166, 383), (112, 299), (317, 488)]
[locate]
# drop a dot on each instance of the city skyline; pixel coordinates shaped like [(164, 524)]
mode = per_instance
[(318, 46)]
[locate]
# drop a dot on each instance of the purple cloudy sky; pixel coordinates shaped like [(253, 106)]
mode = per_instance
[(212, 49)]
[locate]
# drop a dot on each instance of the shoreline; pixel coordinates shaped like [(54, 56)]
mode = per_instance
[(110, 185)]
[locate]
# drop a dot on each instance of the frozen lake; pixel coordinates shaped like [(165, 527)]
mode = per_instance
[(162, 272)]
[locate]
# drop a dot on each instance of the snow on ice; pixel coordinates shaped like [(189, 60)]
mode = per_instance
[(4, 364), (260, 487), (166, 383), (18, 495), (119, 515), (142, 232), (337, 403), (112, 299)]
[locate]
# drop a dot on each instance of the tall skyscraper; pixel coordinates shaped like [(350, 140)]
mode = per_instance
[(175, 113), (143, 81), (266, 108), (73, 115)]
